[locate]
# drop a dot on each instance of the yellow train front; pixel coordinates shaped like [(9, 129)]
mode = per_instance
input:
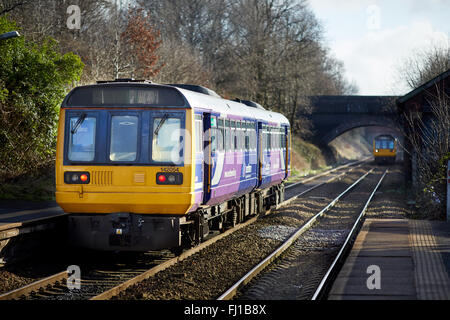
[(102, 168), (385, 149)]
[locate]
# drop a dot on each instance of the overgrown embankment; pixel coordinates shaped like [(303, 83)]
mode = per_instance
[(308, 158)]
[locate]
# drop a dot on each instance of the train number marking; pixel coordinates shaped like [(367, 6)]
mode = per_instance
[(170, 170)]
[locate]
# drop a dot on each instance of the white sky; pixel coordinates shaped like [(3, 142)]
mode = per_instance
[(372, 37)]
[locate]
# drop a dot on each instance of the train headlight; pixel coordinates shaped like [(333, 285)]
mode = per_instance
[(77, 177), (172, 178), (377, 150)]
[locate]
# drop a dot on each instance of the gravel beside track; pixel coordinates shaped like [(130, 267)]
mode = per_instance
[(389, 201), (21, 274), (208, 273)]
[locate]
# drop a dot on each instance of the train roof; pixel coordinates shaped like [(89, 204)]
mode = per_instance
[(385, 136), (224, 107), (196, 88), (175, 96)]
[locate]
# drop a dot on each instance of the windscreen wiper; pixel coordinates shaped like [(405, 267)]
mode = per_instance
[(161, 124), (78, 123)]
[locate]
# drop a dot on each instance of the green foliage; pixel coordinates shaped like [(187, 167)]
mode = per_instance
[(434, 193), (33, 81)]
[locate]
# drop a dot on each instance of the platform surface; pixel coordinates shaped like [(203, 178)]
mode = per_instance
[(397, 259), (13, 212)]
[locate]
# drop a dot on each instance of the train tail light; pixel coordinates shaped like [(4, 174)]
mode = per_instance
[(77, 177), (170, 178)]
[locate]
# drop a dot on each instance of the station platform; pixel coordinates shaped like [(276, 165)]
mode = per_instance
[(19, 211), (397, 259)]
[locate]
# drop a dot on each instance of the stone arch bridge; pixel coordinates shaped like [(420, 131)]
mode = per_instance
[(335, 115)]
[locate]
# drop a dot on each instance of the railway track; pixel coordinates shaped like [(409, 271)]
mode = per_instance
[(302, 257), (102, 284)]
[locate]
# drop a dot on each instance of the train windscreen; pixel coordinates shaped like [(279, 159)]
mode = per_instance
[(123, 96), (384, 144)]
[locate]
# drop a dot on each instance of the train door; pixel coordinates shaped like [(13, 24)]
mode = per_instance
[(207, 157), (288, 150), (199, 158), (246, 164), (259, 152), (213, 155)]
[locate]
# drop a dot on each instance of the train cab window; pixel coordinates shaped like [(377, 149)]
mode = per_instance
[(166, 144), (82, 138), (384, 144), (124, 138)]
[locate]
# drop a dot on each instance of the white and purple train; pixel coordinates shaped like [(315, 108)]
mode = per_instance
[(142, 166)]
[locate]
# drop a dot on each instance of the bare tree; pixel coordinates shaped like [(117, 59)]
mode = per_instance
[(425, 64), (7, 6)]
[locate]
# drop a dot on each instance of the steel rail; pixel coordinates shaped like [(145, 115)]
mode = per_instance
[(321, 184), (359, 162), (231, 292), (331, 270), (35, 286)]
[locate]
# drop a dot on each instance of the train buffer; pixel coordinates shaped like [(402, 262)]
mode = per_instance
[(397, 259)]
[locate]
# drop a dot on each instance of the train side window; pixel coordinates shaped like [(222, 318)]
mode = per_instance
[(233, 135), (213, 134), (124, 138), (282, 137), (199, 135), (242, 137), (264, 139), (227, 135), (221, 135), (247, 137), (82, 138), (213, 139), (252, 134), (238, 133)]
